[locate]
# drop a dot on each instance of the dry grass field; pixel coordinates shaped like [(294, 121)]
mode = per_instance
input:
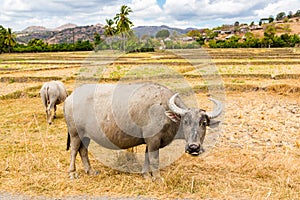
[(256, 156)]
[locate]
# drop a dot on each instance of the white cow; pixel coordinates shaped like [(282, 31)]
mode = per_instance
[(52, 94)]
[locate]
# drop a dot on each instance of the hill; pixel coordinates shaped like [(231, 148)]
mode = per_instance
[(291, 27), (67, 33), (32, 29), (65, 26), (71, 35), (152, 30)]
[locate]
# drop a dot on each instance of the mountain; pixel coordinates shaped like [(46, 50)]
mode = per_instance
[(152, 30), (65, 26), (36, 29), (67, 33), (71, 35), (31, 29)]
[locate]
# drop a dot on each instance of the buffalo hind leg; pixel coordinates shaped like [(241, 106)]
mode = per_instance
[(75, 145), (50, 115), (145, 170), (83, 151), (54, 116)]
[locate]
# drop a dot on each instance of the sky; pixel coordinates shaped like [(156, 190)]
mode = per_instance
[(19, 14)]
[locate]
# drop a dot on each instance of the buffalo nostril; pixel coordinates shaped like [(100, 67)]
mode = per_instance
[(194, 146)]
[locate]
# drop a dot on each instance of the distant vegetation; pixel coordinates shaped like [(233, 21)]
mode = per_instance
[(117, 34), (251, 41)]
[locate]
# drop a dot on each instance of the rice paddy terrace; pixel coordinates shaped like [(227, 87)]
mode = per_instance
[(256, 156), (242, 69)]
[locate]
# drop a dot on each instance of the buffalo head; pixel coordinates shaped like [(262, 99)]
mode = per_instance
[(193, 123)]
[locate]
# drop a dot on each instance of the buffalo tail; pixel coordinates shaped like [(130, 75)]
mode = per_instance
[(68, 142)]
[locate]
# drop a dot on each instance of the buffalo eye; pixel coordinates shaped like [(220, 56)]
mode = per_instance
[(203, 123)]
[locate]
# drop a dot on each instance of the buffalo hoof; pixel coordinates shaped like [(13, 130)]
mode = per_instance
[(92, 172), (147, 176), (158, 179), (73, 175), (153, 177)]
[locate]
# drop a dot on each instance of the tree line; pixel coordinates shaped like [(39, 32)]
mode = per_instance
[(9, 44)]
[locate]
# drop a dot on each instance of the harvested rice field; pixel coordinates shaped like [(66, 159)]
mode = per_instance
[(254, 154)]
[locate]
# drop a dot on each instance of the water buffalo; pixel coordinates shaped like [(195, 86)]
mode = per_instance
[(126, 115), (52, 94)]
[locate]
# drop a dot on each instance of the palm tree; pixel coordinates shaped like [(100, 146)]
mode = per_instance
[(123, 22), (9, 39), (110, 30), (2, 35)]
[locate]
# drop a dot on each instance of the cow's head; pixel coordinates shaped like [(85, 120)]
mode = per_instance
[(193, 123)]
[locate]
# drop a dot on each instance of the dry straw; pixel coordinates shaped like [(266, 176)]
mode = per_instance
[(257, 156)]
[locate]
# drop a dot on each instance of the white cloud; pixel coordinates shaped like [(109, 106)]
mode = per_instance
[(15, 5), (211, 9), (145, 12), (277, 7), (18, 14)]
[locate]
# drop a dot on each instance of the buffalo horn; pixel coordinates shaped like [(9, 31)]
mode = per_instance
[(174, 108), (217, 111)]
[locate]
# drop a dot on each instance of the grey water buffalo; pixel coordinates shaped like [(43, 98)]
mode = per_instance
[(52, 94), (126, 115)]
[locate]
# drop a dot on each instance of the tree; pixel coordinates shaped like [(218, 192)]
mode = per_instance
[(269, 35), (271, 18), (280, 16), (83, 45), (98, 42), (163, 34), (9, 39), (123, 22), (251, 41), (110, 30), (210, 34), (290, 15), (270, 31), (2, 35), (37, 45), (194, 33)]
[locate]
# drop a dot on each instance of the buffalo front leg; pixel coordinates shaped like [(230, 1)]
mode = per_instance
[(154, 164), (84, 154), (153, 157), (75, 145)]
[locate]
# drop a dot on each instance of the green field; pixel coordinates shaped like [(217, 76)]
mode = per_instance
[(255, 157)]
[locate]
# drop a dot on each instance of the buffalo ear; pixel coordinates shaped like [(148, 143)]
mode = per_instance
[(174, 117), (213, 123)]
